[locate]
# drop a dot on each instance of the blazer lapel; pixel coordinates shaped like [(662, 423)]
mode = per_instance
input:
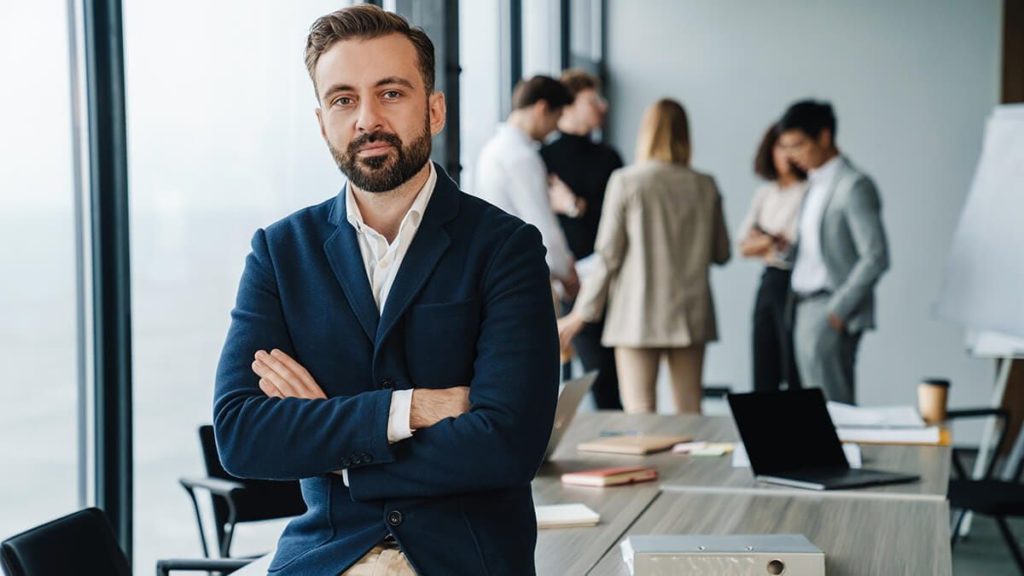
[(342, 249), (427, 247), (831, 192)]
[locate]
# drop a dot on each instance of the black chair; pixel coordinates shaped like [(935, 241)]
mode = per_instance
[(236, 500), (999, 497), (84, 543)]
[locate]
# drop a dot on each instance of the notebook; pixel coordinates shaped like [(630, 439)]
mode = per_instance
[(634, 445), (611, 476), (566, 516)]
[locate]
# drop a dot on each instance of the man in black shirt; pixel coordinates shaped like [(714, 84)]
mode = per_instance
[(579, 169)]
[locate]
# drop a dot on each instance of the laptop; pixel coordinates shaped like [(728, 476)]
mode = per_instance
[(573, 392), (790, 440)]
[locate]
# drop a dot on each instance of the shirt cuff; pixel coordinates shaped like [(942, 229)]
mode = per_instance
[(398, 416), (344, 476)]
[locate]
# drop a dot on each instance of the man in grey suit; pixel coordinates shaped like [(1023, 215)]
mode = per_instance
[(839, 254)]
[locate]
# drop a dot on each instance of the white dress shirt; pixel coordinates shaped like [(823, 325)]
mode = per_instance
[(809, 272), (775, 210), (511, 175), (382, 261)]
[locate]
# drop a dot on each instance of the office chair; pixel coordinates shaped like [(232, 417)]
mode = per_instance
[(84, 543), (236, 500), (999, 497)]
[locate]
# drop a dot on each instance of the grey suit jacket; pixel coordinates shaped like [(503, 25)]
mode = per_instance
[(853, 246)]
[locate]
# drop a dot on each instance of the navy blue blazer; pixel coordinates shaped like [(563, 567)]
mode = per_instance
[(470, 305)]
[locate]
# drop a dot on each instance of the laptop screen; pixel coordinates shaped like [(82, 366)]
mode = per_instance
[(787, 431)]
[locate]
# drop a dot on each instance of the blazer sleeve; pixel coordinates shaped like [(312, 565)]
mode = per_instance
[(500, 442), (864, 219), (609, 251), (722, 251), (281, 439)]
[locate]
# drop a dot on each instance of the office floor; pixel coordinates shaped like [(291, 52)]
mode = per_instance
[(984, 553)]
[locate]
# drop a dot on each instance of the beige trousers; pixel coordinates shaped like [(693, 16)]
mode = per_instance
[(638, 377), (381, 560)]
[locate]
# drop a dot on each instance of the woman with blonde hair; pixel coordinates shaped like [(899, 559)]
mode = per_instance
[(661, 228)]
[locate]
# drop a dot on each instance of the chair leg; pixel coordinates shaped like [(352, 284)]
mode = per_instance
[(954, 537), (199, 521), (1011, 542)]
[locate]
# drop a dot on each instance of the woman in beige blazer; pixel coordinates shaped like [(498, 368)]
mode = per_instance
[(661, 228)]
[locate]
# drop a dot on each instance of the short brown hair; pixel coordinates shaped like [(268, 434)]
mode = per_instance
[(532, 90), (664, 133), (577, 80), (764, 161), (366, 21)]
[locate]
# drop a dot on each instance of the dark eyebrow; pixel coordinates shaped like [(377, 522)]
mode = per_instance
[(382, 82), (394, 80)]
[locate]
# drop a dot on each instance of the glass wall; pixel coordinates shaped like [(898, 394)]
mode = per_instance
[(222, 140), (38, 311), (480, 84)]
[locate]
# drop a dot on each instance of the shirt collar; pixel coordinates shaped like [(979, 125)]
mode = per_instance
[(517, 135), (419, 205), (826, 171)]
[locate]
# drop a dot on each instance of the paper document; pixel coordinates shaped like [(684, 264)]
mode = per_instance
[(741, 460), (566, 516), (847, 416), (929, 435)]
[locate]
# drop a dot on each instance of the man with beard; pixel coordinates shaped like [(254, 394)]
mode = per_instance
[(394, 347)]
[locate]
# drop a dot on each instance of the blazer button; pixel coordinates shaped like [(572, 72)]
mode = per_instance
[(386, 384), (367, 458), (346, 462), (394, 518)]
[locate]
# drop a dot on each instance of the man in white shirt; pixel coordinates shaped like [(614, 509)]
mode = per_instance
[(511, 174), (840, 253)]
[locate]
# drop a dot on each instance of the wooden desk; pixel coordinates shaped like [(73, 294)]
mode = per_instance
[(680, 473), (858, 537), (577, 550)]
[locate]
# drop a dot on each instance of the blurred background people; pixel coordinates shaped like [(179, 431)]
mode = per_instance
[(579, 169), (661, 229), (767, 233), (511, 175), (840, 254)]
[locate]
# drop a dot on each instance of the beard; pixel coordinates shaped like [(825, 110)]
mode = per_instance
[(383, 172)]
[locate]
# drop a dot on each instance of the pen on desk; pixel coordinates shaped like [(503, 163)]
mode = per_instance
[(607, 433)]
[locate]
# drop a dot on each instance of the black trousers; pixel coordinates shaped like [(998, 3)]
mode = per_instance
[(594, 356), (774, 359)]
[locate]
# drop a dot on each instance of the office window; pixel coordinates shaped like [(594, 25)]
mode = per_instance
[(586, 35), (542, 33), (38, 312), (480, 85), (222, 140)]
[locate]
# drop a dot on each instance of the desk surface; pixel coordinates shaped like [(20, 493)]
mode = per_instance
[(681, 473), (577, 550), (858, 537)]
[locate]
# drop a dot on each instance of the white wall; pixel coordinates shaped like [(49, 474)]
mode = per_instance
[(911, 82)]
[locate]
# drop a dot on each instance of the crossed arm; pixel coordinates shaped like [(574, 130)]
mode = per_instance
[(282, 377), (278, 424)]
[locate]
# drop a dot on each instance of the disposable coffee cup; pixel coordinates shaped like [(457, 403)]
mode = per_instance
[(932, 396)]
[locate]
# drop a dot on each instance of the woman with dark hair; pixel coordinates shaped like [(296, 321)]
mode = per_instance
[(766, 233)]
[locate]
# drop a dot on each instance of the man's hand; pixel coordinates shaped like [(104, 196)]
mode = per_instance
[(570, 284), (430, 406), (836, 323), (282, 377), (568, 327), (563, 200)]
